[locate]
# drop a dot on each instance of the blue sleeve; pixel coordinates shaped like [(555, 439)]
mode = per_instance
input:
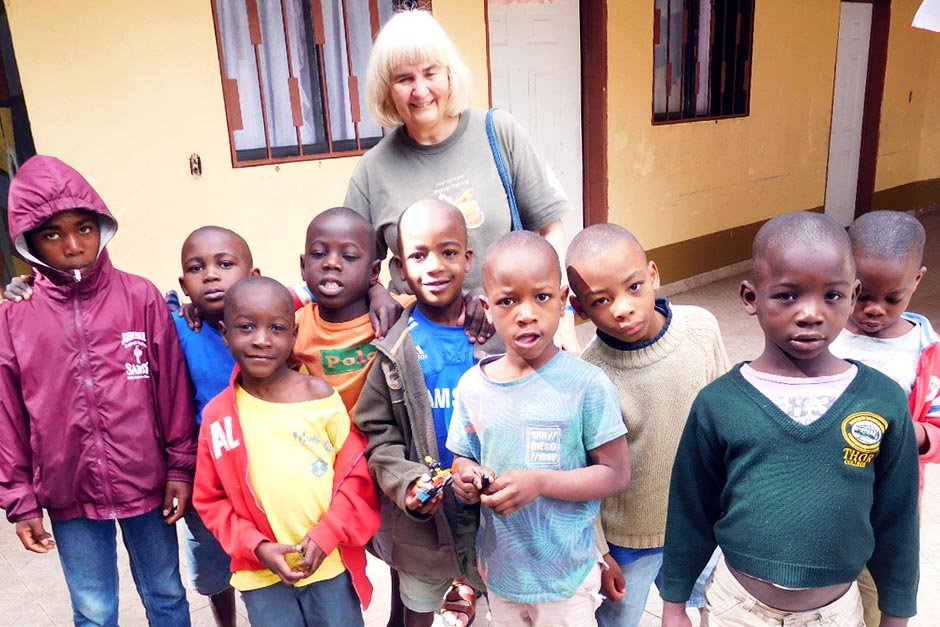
[(601, 419), (462, 437)]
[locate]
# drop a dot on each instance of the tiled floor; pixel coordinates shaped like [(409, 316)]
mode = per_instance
[(33, 592)]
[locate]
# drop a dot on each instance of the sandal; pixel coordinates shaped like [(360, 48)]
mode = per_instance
[(459, 607)]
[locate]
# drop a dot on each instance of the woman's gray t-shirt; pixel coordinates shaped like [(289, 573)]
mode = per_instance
[(460, 170)]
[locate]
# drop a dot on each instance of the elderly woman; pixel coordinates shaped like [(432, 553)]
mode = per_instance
[(418, 85)]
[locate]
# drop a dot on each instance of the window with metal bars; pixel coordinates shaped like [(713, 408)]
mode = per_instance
[(292, 74), (701, 59)]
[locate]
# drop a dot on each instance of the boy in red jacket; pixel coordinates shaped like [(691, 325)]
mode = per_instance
[(282, 479), (96, 419)]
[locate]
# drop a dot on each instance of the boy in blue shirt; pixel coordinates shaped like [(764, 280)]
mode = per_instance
[(213, 259), (538, 439), (421, 360)]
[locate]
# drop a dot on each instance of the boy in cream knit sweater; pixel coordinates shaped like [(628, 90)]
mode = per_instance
[(658, 357)]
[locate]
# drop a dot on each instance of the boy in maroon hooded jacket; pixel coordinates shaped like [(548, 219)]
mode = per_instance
[(96, 418)]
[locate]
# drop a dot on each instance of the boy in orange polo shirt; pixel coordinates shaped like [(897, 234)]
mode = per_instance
[(335, 333)]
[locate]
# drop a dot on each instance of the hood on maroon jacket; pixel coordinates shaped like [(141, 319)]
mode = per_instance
[(43, 187)]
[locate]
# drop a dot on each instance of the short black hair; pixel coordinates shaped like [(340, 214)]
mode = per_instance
[(445, 208), (253, 283), (888, 235), (347, 214), (593, 242), (804, 228), (211, 228), (521, 243)]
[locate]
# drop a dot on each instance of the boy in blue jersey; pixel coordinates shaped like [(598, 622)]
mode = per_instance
[(539, 440), (421, 360), (213, 259)]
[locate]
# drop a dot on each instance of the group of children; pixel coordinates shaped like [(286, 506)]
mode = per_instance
[(301, 435)]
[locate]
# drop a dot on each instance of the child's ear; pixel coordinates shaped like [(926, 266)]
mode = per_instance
[(468, 254), (749, 297), (224, 332), (183, 287), (303, 269), (374, 272), (486, 308), (920, 275), (564, 297), (576, 305), (399, 266), (257, 272), (857, 289), (654, 275)]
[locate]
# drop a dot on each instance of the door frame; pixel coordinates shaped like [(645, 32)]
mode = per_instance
[(593, 106), (874, 94), (594, 110)]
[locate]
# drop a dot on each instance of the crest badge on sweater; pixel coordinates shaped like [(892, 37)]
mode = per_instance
[(136, 366), (863, 431)]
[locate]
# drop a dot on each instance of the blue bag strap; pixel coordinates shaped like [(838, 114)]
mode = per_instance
[(503, 171)]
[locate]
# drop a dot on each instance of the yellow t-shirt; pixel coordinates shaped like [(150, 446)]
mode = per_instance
[(291, 449)]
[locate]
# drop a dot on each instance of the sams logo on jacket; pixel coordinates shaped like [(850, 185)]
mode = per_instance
[(137, 342)]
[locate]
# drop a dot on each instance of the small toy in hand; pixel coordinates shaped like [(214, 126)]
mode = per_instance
[(428, 485)]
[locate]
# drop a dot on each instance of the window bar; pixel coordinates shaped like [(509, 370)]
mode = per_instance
[(233, 112), (374, 22), (293, 83), (682, 69), (352, 80), (668, 55), (724, 61), (711, 56), (254, 31), (657, 24), (734, 65), (319, 40)]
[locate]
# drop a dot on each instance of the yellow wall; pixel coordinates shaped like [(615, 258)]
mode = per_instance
[(127, 91), (910, 131), (674, 182)]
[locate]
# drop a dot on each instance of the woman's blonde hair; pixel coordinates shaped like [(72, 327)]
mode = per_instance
[(412, 37)]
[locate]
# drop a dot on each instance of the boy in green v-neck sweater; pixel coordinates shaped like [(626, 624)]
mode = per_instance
[(801, 466)]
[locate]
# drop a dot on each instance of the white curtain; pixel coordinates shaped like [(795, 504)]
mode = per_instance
[(241, 65), (703, 97)]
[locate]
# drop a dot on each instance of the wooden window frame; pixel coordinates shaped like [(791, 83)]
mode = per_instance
[(747, 69), (230, 94)]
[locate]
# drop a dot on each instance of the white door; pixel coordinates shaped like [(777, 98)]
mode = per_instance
[(848, 104), (535, 71)]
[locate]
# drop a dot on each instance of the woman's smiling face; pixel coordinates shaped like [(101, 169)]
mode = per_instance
[(421, 93)]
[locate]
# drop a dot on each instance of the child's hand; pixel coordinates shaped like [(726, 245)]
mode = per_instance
[(923, 445), (674, 615), (176, 498), (191, 314), (475, 324), (271, 554), (34, 536), (19, 288), (613, 584), (384, 310), (512, 491), (566, 337), (470, 481), (429, 507), (313, 557)]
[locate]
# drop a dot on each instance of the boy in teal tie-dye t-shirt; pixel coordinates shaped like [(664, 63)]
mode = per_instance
[(539, 440)]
